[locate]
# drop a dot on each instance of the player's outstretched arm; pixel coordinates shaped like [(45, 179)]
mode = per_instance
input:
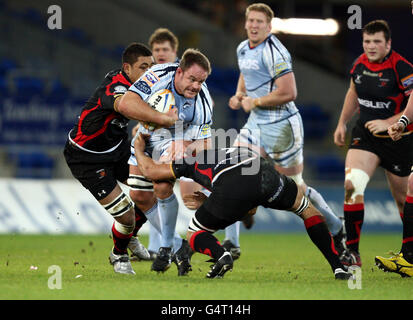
[(133, 107), (150, 169), (235, 101), (350, 107)]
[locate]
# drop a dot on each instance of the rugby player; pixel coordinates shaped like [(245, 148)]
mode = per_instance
[(194, 105), (266, 89), (239, 180), (381, 81), (97, 152)]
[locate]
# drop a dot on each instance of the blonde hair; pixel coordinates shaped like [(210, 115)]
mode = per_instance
[(261, 7), (163, 34)]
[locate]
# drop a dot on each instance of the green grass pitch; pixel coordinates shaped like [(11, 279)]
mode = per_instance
[(271, 267)]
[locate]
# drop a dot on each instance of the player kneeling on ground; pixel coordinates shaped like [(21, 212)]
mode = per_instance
[(257, 183)]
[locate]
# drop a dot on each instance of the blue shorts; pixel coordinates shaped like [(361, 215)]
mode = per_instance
[(282, 140)]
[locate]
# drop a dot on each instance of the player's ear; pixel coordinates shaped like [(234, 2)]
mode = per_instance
[(126, 67), (388, 44)]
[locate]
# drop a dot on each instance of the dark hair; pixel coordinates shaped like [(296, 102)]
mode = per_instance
[(194, 56), (133, 51), (378, 26), (162, 35)]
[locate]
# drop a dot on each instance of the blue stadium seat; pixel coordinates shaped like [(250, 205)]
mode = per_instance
[(33, 15), (77, 35), (327, 167), (223, 80), (58, 93), (4, 88), (315, 120), (6, 65), (27, 88), (33, 165)]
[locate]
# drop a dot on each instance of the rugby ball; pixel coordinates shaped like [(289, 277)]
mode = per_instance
[(162, 101)]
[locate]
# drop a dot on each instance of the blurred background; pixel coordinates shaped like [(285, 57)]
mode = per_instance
[(46, 76)]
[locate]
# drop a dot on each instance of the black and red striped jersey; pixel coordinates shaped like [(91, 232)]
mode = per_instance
[(100, 129), (208, 165), (382, 88)]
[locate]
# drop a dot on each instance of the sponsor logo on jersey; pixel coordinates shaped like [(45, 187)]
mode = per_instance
[(407, 81), (249, 64), (205, 130), (120, 89), (372, 74), (281, 67), (142, 86), (150, 78), (374, 104), (358, 78)]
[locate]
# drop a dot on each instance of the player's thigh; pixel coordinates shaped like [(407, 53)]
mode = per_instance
[(188, 186), (205, 220), (283, 141), (363, 160)]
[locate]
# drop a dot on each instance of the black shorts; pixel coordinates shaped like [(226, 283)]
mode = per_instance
[(100, 177), (234, 194), (395, 156)]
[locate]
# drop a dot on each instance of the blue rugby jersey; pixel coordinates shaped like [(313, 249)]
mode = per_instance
[(260, 67), (195, 115)]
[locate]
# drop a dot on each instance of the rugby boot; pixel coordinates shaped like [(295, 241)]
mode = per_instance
[(231, 248), (121, 263), (395, 264), (163, 260), (224, 264), (138, 250), (182, 259)]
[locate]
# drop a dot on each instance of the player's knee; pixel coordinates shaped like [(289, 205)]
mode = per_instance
[(144, 200), (163, 190), (301, 203), (299, 181), (355, 183)]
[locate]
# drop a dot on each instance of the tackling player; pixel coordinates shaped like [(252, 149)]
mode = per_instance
[(256, 183), (97, 151), (381, 81)]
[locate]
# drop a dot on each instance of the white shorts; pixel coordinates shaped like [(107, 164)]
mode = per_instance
[(283, 140)]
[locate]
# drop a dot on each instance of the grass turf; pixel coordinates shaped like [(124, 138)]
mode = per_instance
[(272, 266)]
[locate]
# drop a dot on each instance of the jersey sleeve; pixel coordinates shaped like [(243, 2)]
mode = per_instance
[(113, 91), (276, 58), (405, 73), (182, 169), (147, 84)]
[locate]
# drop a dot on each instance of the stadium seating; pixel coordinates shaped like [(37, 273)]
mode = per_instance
[(326, 167), (315, 120), (34, 165)]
